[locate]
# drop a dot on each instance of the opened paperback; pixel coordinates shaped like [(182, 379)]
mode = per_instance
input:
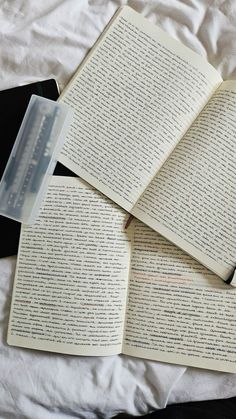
[(86, 286), (154, 130)]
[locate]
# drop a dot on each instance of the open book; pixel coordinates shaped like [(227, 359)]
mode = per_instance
[(86, 286), (155, 131)]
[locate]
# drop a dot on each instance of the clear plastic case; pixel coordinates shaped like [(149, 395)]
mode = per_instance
[(33, 158)]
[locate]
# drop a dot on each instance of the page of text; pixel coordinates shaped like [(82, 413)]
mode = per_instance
[(177, 311), (192, 201), (72, 270), (134, 98)]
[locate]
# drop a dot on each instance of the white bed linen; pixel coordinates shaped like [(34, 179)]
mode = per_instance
[(46, 39)]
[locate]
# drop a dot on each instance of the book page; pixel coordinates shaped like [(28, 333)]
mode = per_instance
[(134, 97), (192, 200), (71, 279), (177, 310)]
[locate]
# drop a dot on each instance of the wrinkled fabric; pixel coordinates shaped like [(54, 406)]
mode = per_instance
[(39, 40)]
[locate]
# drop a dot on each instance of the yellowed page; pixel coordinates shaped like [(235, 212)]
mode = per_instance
[(134, 97), (192, 200), (177, 311), (71, 278)]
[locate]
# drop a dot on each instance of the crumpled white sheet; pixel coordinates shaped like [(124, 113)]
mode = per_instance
[(39, 40)]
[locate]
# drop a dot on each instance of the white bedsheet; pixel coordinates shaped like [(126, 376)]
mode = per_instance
[(46, 39)]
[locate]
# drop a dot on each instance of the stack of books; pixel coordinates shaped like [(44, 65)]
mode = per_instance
[(153, 136)]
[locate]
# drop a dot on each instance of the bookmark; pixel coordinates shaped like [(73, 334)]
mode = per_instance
[(129, 221)]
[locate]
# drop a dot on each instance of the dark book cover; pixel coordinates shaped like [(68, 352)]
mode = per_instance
[(13, 104)]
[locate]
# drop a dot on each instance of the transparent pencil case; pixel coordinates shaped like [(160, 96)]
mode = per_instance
[(33, 158)]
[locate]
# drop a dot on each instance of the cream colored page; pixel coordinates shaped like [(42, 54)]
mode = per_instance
[(134, 97), (72, 270), (177, 311), (192, 200)]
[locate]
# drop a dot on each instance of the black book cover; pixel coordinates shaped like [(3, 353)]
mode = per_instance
[(13, 104)]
